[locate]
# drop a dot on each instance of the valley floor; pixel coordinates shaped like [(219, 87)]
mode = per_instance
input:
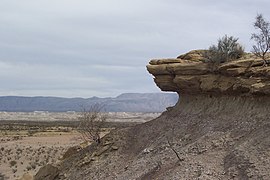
[(26, 154), (29, 141)]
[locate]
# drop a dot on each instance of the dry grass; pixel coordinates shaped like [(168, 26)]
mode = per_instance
[(29, 141)]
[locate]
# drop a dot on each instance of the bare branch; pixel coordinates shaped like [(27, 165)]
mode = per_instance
[(172, 148), (262, 39), (91, 122)]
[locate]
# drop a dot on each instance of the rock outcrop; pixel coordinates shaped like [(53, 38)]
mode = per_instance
[(189, 74), (47, 172), (219, 129)]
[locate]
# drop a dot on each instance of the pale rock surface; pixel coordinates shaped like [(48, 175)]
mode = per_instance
[(239, 77), (27, 176)]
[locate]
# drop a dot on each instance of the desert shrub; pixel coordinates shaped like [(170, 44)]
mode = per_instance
[(227, 49), (262, 38), (14, 170), (33, 165), (91, 122), (12, 163), (31, 132), (28, 167)]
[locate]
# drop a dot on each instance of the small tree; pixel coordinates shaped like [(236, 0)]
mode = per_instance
[(227, 49), (91, 122), (262, 38)]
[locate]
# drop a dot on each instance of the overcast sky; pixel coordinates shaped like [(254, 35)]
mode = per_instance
[(85, 48)]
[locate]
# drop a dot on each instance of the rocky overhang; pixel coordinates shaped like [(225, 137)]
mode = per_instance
[(190, 74)]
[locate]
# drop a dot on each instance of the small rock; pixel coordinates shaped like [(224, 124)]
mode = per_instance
[(86, 162), (107, 143), (146, 151), (115, 148)]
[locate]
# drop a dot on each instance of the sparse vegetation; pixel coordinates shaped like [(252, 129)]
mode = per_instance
[(91, 122), (262, 38), (28, 168), (33, 165), (227, 49), (19, 157), (14, 170), (12, 163), (46, 146)]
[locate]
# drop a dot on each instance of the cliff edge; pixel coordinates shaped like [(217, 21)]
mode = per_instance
[(219, 128), (189, 74)]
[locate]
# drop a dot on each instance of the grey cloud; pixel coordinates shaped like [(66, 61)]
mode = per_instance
[(100, 47)]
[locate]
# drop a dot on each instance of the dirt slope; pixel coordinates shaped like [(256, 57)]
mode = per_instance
[(219, 128), (216, 138)]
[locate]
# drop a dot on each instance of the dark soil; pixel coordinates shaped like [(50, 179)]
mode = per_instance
[(215, 137)]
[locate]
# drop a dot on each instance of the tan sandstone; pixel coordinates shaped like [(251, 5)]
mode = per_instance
[(189, 74)]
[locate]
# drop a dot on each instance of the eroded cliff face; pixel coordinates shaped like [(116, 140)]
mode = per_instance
[(216, 137), (189, 74), (220, 128)]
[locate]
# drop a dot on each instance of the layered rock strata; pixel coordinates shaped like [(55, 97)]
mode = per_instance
[(189, 74)]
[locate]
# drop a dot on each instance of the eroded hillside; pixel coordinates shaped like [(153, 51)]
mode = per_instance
[(219, 128)]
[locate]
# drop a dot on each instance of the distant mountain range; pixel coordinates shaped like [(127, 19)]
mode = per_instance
[(128, 102)]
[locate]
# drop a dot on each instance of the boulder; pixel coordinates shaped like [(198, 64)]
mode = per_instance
[(71, 151), (27, 176), (47, 172)]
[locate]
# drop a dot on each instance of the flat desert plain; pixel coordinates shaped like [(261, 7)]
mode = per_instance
[(30, 140)]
